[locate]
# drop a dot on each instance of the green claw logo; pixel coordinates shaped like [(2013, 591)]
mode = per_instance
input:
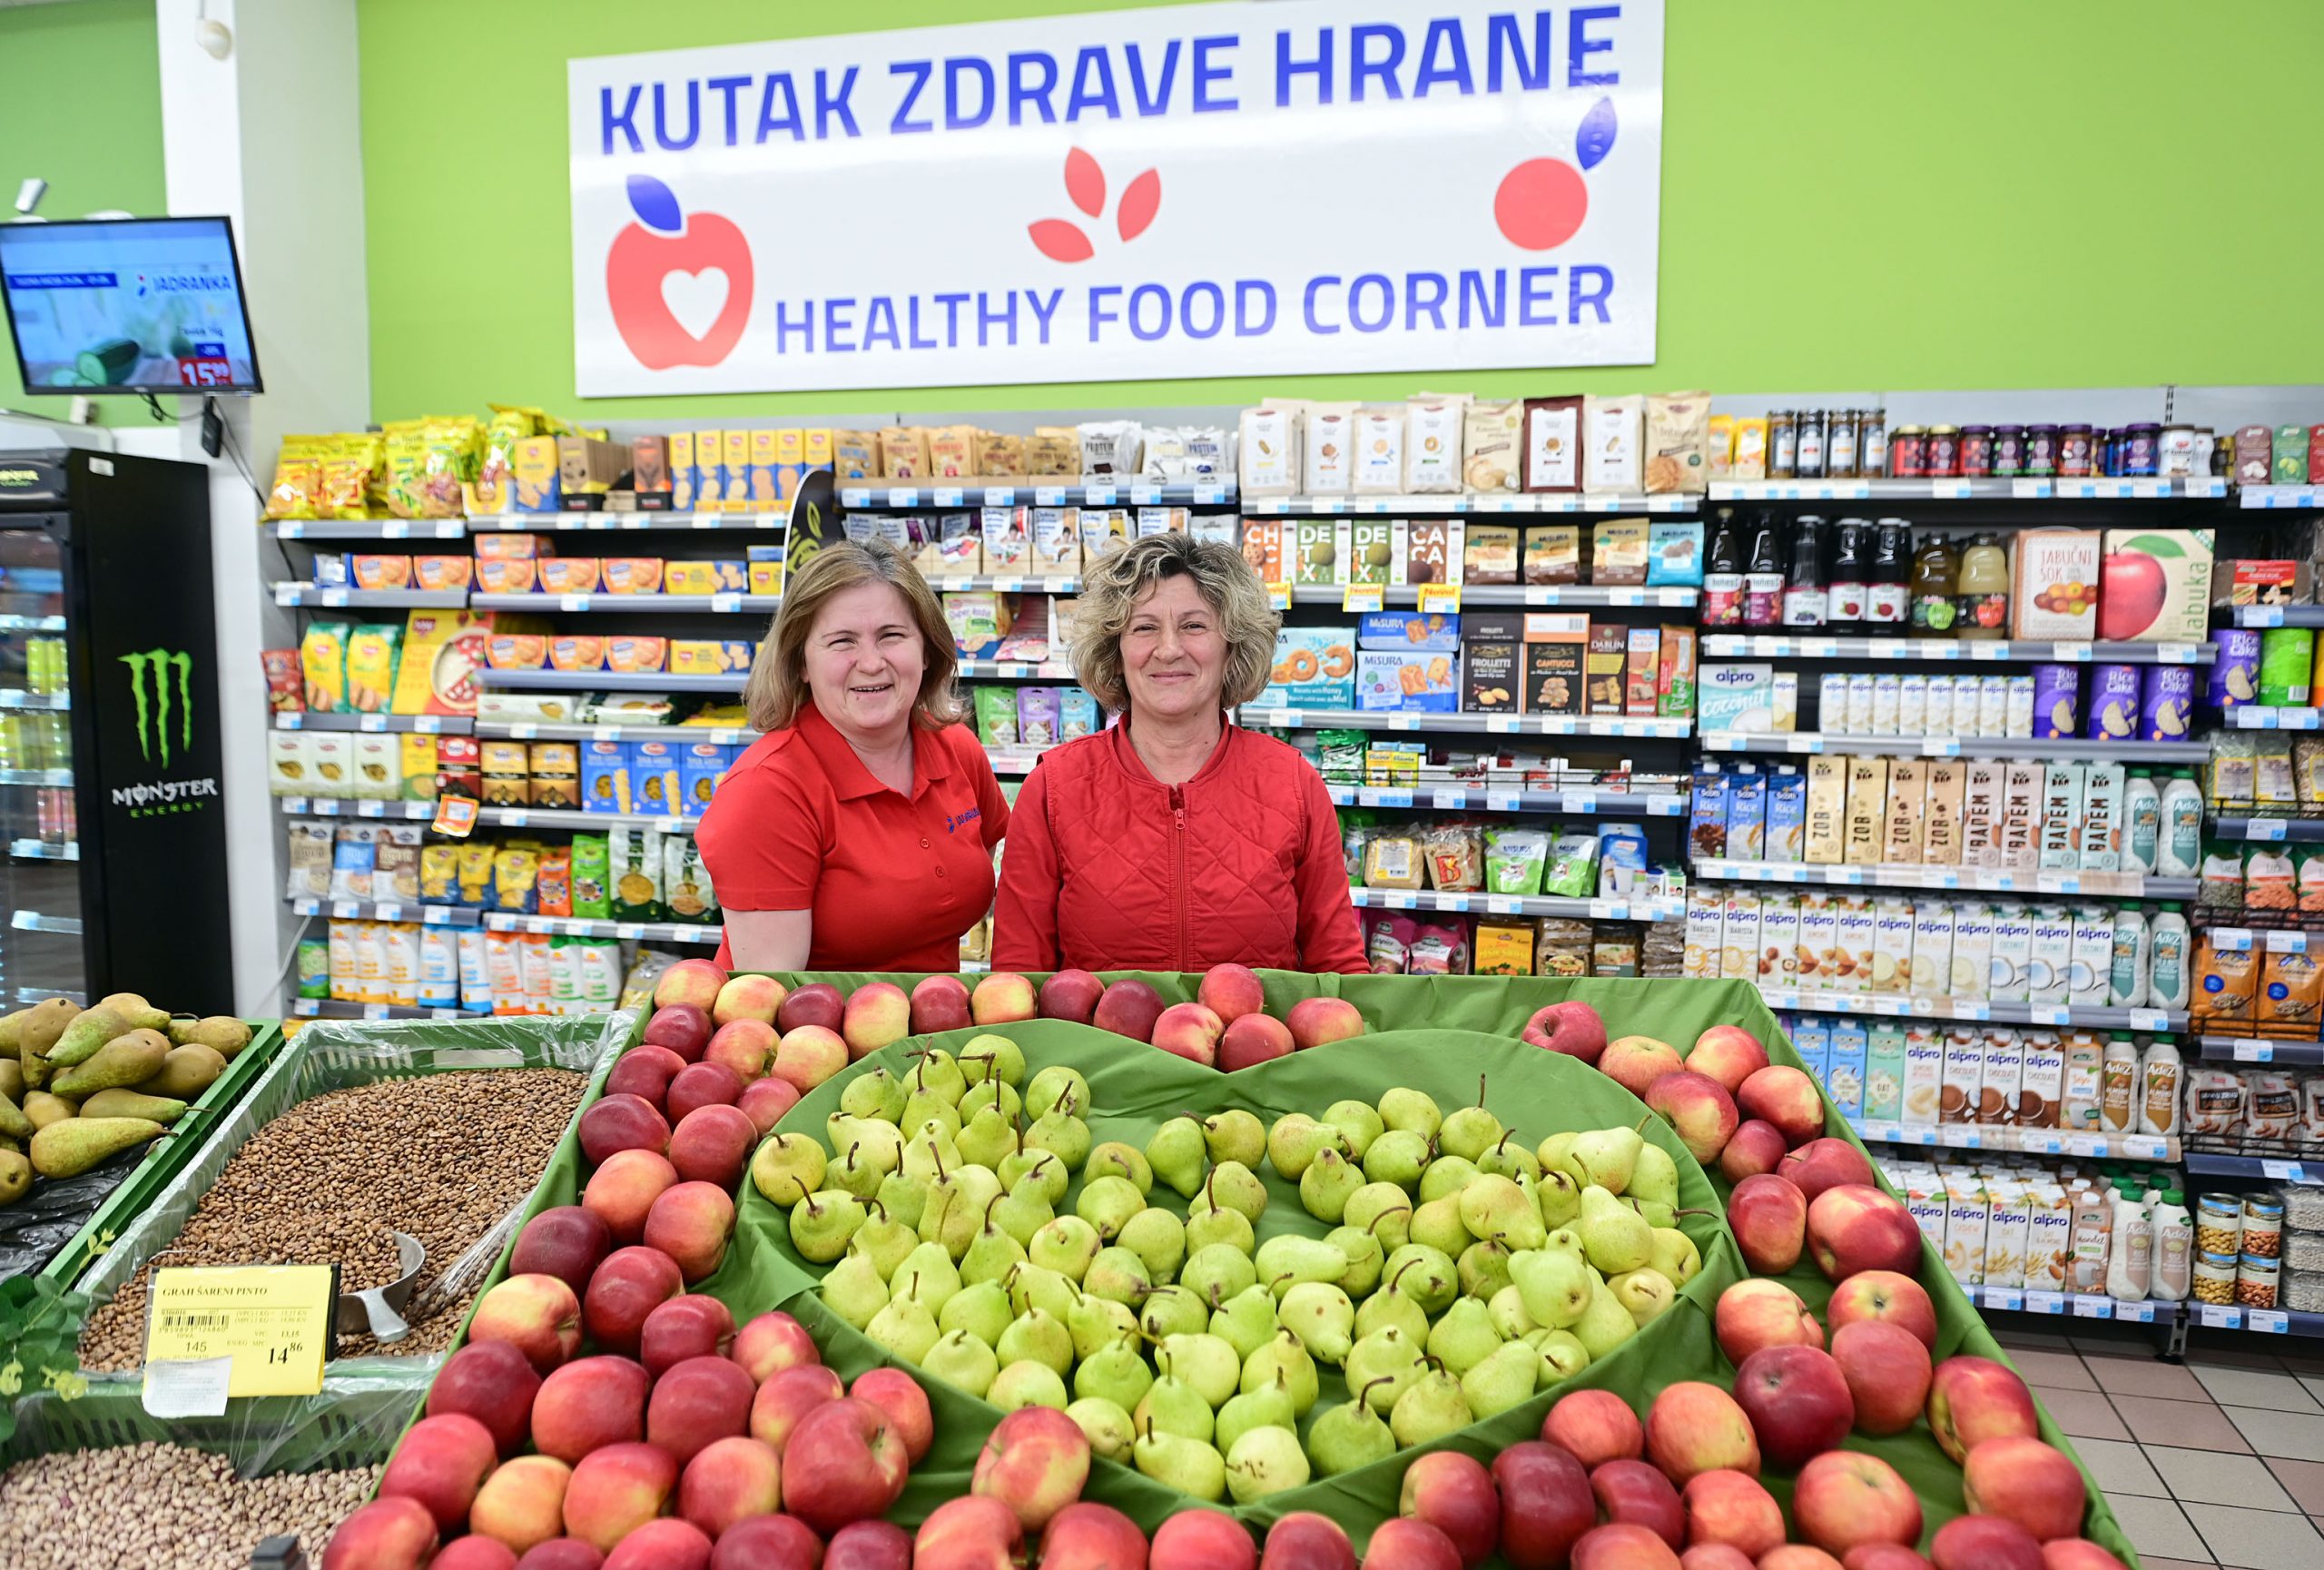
[(160, 662)]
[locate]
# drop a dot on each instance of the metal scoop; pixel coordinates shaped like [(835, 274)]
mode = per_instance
[(379, 1310)]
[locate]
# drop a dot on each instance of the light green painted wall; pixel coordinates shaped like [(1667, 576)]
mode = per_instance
[(80, 107), (1984, 194)]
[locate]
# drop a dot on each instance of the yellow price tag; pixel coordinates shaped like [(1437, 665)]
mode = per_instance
[(1363, 596), (1444, 597), (1279, 595), (274, 1321)]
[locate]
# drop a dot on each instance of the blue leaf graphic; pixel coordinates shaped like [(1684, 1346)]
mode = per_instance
[(655, 204), (1596, 138)]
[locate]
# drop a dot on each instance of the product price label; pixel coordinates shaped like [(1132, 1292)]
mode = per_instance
[(946, 495), (457, 816), (2045, 1302), (2283, 1171), (272, 1322), (1279, 595), (2138, 1313), (2009, 1298), (2268, 1321), (1363, 596), (2220, 1316), (2249, 1052)]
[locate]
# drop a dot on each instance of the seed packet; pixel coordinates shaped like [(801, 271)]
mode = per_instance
[(1515, 860), (1573, 866), (515, 876), (633, 871), (996, 715), (590, 889), (2225, 982), (685, 882), (1037, 716), (556, 883), (354, 855), (396, 864), (311, 862), (439, 874), (475, 872), (1076, 714), (2291, 987), (2269, 882)]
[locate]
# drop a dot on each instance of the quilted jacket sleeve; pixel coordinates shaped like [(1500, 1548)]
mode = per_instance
[(1328, 936), (1024, 917)]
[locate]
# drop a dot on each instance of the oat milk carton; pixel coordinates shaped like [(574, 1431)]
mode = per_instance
[(2008, 1233)]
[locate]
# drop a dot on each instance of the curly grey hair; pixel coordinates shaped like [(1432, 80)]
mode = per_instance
[(1112, 588)]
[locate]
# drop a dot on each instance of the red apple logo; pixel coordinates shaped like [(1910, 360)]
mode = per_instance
[(2132, 584), (666, 265), (1541, 203)]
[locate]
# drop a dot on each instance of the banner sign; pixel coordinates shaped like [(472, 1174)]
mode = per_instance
[(1308, 186)]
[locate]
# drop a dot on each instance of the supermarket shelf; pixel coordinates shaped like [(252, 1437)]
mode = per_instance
[(332, 1009), (2021, 488), (2115, 886), (2262, 1321), (307, 594), (1483, 904), (1472, 502), (1006, 583), (2306, 830), (606, 522), (2251, 1049), (2029, 1142), (1013, 760), (1980, 651), (524, 730), (605, 681), (704, 604), (350, 807), (34, 921), (2267, 938), (648, 931), (2161, 1020), (424, 724), (35, 777), (388, 910), (2253, 717), (11, 697), (1484, 798), (32, 623), (2261, 1168), (42, 995), (2268, 498), (573, 818), (2075, 1305), (1808, 741), (368, 529), (1088, 492), (44, 851), (1469, 724), (1495, 594), (2280, 615), (1016, 670)]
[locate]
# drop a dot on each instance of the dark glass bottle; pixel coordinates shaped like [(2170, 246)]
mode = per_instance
[(1887, 601), (1850, 591), (1763, 577), (1723, 574)]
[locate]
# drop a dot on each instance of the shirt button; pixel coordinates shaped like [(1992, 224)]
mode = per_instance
[(923, 844), (940, 871)]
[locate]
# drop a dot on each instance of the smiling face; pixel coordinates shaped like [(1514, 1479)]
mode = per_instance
[(1174, 652), (864, 661)]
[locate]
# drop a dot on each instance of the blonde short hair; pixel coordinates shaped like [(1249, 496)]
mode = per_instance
[(1112, 588), (778, 686)]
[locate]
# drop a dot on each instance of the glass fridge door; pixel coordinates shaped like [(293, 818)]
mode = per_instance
[(41, 954)]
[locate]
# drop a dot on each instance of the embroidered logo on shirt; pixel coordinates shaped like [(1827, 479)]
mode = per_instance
[(952, 824)]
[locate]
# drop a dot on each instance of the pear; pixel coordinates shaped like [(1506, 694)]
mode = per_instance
[(1107, 1425), (1216, 1272), (1294, 1140), (1364, 1257), (1321, 1316), (1657, 1213), (936, 1073), (820, 1224), (994, 1253), (1176, 1462), (853, 1291), (991, 1059), (882, 1142), (926, 1276), (1159, 1238), (1557, 1198), (1560, 1356), (1607, 1157), (1107, 1203), (1385, 1211), (1646, 1292), (873, 1093), (1398, 1156), (905, 1198), (1494, 1206), (929, 1152), (1030, 1287), (988, 1138), (1220, 1229), (1437, 1225), (1510, 1158), (1266, 1461), (1172, 1312), (1510, 1316), (1115, 1373), (1234, 1135), (1285, 1259), (853, 1173), (998, 1095), (1425, 1275), (1349, 1436), (1485, 1270), (981, 1308), (1066, 1244), (1382, 1309), (1358, 1123), (1504, 1379), (1283, 1357), (1024, 1210), (1566, 1240), (1431, 1407), (1202, 1361), (135, 1012), (1176, 1155), (1326, 1185), (1043, 1167), (1098, 1323), (922, 1108), (1027, 1384), (1172, 1406), (1411, 1111), (1471, 1131), (905, 1328), (1245, 1321), (1464, 1338), (1054, 1087), (1615, 1237), (1604, 1324), (960, 1359), (1115, 1159), (1235, 1186), (1555, 1151), (1654, 1177), (1675, 1255), (1445, 1176), (1117, 1274), (1037, 1337), (1386, 1363), (886, 1239), (1062, 1134), (975, 1188), (82, 1035), (1268, 1406), (1553, 1284)]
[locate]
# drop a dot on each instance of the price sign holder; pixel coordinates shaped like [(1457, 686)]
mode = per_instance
[(455, 816), (272, 1325)]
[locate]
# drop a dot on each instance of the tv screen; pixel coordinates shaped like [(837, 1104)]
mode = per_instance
[(127, 305)]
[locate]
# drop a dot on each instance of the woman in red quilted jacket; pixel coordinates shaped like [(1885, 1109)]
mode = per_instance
[(1174, 840)]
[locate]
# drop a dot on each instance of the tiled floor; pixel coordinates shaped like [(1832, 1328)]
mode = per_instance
[(2218, 1461)]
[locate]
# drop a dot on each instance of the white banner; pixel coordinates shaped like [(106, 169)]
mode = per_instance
[(1308, 186)]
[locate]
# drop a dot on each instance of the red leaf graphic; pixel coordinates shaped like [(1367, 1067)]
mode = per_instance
[(1085, 183), (1060, 240), (1140, 204)]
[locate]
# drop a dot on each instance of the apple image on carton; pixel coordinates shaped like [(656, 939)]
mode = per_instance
[(1573, 1027)]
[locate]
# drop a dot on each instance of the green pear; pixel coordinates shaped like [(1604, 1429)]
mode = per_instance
[(1245, 1321), (1117, 1159), (1234, 1135), (1398, 1156), (1646, 1292), (1321, 1316), (1560, 1356), (905, 1328), (1510, 1316), (1107, 1203), (1066, 1244), (853, 1172), (1176, 1462), (1504, 1379), (1350, 1434), (1556, 1151), (1364, 1257), (1445, 1176), (883, 1143), (1216, 1272), (1423, 1274), (1358, 1123), (1266, 1461), (853, 1291), (1675, 1255), (922, 1108), (1172, 1406), (1268, 1406), (1038, 1338), (1235, 1187), (1510, 1158), (1607, 1157), (988, 1138), (1294, 1140), (1430, 1408), (1043, 1167), (930, 1152), (1654, 1177), (1061, 1134), (1220, 1229), (1437, 1225), (1386, 1363), (936, 1072), (1385, 1211), (998, 1095), (991, 1059), (1204, 1361), (1283, 1357), (1464, 1338), (1159, 1238), (981, 1308), (1326, 1185), (822, 1224), (1107, 1425), (1604, 1324), (1411, 1111), (1471, 1131), (1115, 1373), (1098, 1323), (1657, 1213), (1495, 1207), (905, 1198), (1285, 1259), (1382, 1309), (1615, 1237), (958, 1219), (1172, 1312), (1554, 1285), (1027, 1384), (1024, 1210), (1484, 1269), (1031, 1287), (785, 1169), (1176, 1155), (1557, 1198), (873, 1093), (960, 1359), (1117, 1274), (1566, 1241), (994, 1253), (1054, 1087), (883, 1238), (927, 1277)]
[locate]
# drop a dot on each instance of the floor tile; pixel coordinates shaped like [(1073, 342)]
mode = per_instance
[(2120, 1467), (2048, 1370), (2300, 1436), (2043, 1340), (2149, 1562), (2146, 1377), (2258, 1539), (2250, 1387), (2186, 1425), (2215, 1477), (2236, 1358), (2156, 1527), (2084, 1414), (2303, 1481), (2313, 1384)]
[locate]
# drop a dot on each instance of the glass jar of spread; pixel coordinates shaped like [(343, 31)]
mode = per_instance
[(2074, 451), (2142, 451), (1908, 453), (1976, 449), (1941, 452), (1840, 445), (1872, 443), (1807, 462), (2040, 449), (2009, 451), (1783, 445)]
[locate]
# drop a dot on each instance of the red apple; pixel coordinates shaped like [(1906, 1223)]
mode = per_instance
[(968, 1533), (1634, 1492), (816, 1003), (697, 1403), (622, 1290), (384, 1535), (2024, 1480), (772, 1342), (1253, 1039), (843, 1464), (1624, 1545), (1715, 1556), (1856, 1229), (1984, 1543), (669, 1544), (1846, 1497), (1881, 1556), (2072, 1554), (1727, 1054), (1697, 1109), (1401, 1543), (1732, 1510), (748, 997), (492, 1382), (899, 1395), (566, 1241), (713, 1144), (441, 1461), (1597, 1425), (1087, 1536), (623, 1122), (1002, 999), (1887, 1370), (536, 1313), (863, 1546), (1786, 1096), (1193, 1539), (693, 1325), (1305, 1540), (1546, 1505), (1454, 1493), (1634, 1062), (1825, 1163), (1759, 1313), (940, 1003), (808, 1056), (1231, 990), (765, 1101), (1190, 1031), (694, 981), (617, 1488), (744, 1045), (877, 1013), (1571, 1027), (1798, 1400), (1319, 1022), (684, 1028), (1129, 1008), (589, 1403), (705, 1084), (1069, 994), (787, 1398), (1695, 1428), (1754, 1147), (1035, 1461), (645, 1070), (1797, 1557), (1887, 1296), (1769, 1220)]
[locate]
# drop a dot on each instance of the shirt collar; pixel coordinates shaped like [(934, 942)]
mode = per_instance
[(851, 780)]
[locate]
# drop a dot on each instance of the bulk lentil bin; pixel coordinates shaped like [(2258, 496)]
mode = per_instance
[(1433, 1032)]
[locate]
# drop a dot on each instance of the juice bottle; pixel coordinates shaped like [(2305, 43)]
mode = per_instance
[(1981, 590), (1763, 578), (1806, 602), (1888, 595), (1936, 571), (1723, 575), (1850, 561)]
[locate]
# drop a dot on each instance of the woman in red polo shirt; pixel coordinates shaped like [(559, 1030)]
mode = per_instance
[(857, 833)]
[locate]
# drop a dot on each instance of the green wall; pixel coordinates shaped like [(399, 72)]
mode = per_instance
[(1984, 194), (82, 108)]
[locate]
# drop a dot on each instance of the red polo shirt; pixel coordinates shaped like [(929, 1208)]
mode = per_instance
[(800, 824)]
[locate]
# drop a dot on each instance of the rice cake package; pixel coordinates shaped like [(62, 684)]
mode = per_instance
[(1327, 448), (1677, 442), (1611, 437), (1432, 436), (1492, 446), (1380, 449), (1269, 448)]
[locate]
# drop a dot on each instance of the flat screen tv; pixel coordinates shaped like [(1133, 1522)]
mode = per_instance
[(141, 305)]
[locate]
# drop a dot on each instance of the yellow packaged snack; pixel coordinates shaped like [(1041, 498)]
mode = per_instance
[(440, 874), (514, 875), (322, 662), (418, 757), (475, 872), (372, 668), (296, 491), (492, 489), (350, 466)]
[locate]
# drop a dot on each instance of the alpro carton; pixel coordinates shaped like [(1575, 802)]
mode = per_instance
[(1844, 1077), (2049, 1238), (1924, 1193), (2012, 970), (1967, 1214), (1932, 970), (1857, 937), (1891, 946), (1739, 945), (2008, 1231), (2090, 963), (1973, 951), (1779, 940), (1924, 1074), (2041, 1083), (2005, 1067), (2050, 954), (1819, 940), (1705, 910), (1965, 1071)]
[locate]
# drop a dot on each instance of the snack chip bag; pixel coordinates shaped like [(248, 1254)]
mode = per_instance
[(296, 491), (592, 895), (556, 883), (348, 474)]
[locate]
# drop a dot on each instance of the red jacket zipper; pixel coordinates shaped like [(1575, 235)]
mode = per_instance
[(1178, 874)]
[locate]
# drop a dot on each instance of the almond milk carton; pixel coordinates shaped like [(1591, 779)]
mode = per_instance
[(1973, 951), (2040, 1085), (1924, 1075), (1933, 924), (2005, 1066), (2059, 824), (2008, 1233), (1705, 910), (2094, 1236), (2101, 839), (1965, 1071), (1858, 937), (1819, 940), (2050, 955), (2021, 817), (2012, 954), (1891, 946), (1967, 1215), (2049, 1238), (1780, 941), (1981, 788), (1738, 942)]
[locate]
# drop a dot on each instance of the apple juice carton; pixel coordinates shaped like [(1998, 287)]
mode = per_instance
[(1738, 942), (2051, 956), (1811, 1038), (1785, 838), (1892, 945), (2059, 823), (1779, 940), (1932, 970), (1965, 1071), (2008, 1229), (1857, 937), (1819, 940), (2040, 1084), (1941, 814), (1827, 795), (2004, 1065), (1884, 1071), (1967, 1214), (1973, 951), (2021, 816), (1868, 803), (2012, 970), (2100, 842), (2090, 963), (1982, 786), (1924, 1074), (1844, 1077)]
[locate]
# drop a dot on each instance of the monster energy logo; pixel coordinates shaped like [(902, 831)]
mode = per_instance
[(160, 662)]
